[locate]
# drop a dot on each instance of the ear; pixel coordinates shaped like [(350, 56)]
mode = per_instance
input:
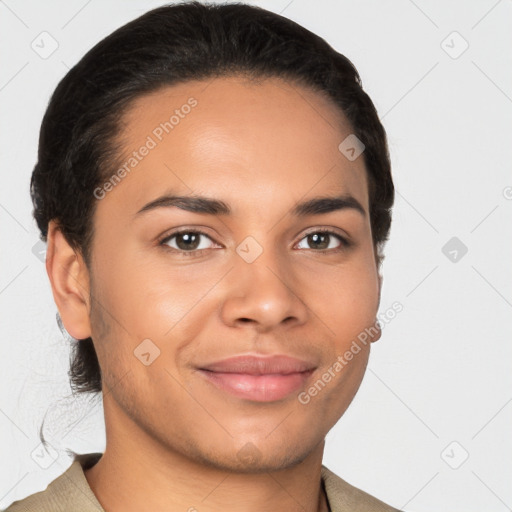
[(375, 337), (69, 279), (381, 279)]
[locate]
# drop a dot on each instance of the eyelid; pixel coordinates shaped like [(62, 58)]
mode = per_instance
[(163, 239), (328, 229)]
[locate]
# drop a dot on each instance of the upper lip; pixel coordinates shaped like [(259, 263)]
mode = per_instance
[(260, 365)]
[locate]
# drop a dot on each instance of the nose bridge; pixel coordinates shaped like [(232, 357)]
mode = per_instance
[(262, 289)]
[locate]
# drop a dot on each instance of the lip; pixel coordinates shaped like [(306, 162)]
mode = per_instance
[(256, 378)]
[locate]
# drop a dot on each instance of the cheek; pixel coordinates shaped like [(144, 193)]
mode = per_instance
[(151, 300), (346, 299), (144, 295), (167, 298)]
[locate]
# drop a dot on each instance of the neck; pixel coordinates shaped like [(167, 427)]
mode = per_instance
[(167, 480)]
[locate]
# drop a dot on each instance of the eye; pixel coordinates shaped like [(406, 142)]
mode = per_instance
[(186, 241), (322, 240)]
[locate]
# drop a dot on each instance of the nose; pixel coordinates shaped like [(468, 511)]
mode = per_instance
[(263, 294)]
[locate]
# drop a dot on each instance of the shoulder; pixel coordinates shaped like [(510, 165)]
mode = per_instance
[(68, 492), (344, 497)]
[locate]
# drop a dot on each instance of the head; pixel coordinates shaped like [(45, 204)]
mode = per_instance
[(251, 115)]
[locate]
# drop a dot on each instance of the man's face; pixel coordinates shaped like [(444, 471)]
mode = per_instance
[(260, 281)]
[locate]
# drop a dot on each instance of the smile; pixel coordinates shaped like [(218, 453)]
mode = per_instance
[(258, 388)]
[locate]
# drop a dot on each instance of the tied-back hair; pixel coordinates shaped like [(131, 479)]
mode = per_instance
[(170, 45)]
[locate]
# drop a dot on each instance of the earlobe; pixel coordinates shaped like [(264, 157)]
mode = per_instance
[(375, 337), (69, 280)]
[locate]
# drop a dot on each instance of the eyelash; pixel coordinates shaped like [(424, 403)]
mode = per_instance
[(345, 244)]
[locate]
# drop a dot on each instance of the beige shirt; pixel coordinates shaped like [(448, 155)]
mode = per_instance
[(70, 492)]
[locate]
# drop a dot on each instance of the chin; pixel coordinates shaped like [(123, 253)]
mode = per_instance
[(250, 459)]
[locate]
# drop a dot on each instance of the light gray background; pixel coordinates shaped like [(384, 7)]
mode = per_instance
[(441, 371)]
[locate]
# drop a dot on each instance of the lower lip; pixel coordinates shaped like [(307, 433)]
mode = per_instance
[(259, 388)]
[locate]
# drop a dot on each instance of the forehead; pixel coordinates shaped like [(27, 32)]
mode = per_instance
[(236, 139)]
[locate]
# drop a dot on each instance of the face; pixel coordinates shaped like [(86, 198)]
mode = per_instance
[(249, 274)]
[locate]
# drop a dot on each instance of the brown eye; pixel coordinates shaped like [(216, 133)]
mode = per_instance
[(187, 241), (321, 240)]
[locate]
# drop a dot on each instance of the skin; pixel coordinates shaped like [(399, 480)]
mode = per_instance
[(261, 147)]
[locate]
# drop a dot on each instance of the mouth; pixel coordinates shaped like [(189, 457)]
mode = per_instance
[(259, 379)]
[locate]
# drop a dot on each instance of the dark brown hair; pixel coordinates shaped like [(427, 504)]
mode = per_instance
[(170, 45)]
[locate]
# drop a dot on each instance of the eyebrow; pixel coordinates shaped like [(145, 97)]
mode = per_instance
[(206, 205)]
